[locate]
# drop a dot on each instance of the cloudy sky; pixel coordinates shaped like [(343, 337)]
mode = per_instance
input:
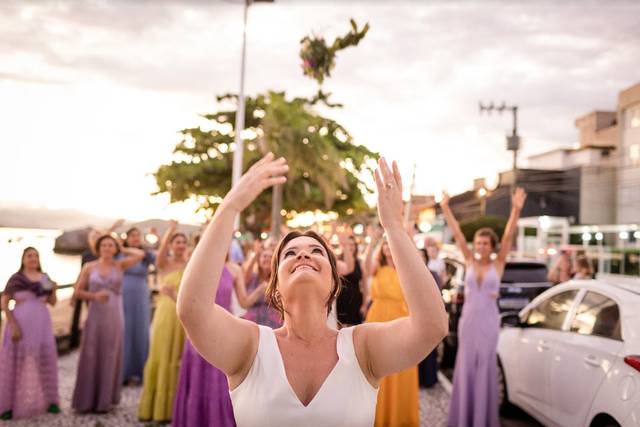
[(92, 93)]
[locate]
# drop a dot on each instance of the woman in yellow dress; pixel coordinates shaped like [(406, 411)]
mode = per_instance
[(160, 377), (398, 396)]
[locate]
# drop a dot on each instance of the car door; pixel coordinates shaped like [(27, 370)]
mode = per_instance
[(543, 326), (583, 359)]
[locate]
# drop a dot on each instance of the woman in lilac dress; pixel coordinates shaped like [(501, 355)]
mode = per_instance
[(261, 312), (474, 399), (99, 379), (202, 397), (28, 357)]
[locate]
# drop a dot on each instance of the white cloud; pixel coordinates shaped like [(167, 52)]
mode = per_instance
[(90, 89)]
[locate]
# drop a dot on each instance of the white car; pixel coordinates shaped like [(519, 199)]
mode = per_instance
[(571, 357)]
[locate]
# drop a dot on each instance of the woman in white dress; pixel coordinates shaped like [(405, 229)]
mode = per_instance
[(306, 373)]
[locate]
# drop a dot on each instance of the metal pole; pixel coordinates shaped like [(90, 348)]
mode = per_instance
[(515, 133), (239, 126)]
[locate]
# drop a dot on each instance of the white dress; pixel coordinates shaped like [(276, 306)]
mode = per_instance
[(265, 397)]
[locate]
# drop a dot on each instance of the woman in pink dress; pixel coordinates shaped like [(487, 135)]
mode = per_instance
[(28, 357), (99, 378)]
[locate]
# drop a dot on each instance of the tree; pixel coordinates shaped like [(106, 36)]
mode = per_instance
[(470, 226), (327, 170)]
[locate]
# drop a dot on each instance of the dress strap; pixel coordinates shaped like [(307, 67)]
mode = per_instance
[(344, 345), (268, 350)]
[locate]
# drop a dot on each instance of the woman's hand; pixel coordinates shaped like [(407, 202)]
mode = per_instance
[(518, 198), (16, 333), (374, 232), (101, 296), (263, 174), (389, 185), (444, 203)]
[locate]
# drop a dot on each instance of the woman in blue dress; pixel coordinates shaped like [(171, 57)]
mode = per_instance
[(137, 311)]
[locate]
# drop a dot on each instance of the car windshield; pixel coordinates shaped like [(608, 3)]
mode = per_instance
[(524, 273)]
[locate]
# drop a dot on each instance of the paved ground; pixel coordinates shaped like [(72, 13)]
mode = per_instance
[(433, 406)]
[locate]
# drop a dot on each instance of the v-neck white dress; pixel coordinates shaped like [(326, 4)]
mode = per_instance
[(265, 397)]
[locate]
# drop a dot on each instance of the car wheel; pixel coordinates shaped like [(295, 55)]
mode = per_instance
[(604, 420), (503, 395)]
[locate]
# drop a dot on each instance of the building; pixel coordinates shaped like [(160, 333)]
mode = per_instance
[(628, 177), (607, 161)]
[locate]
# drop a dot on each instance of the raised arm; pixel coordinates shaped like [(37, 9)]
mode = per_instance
[(393, 346), (245, 300), (225, 341), (251, 262), (163, 250), (453, 224), (517, 202), (370, 265), (132, 256)]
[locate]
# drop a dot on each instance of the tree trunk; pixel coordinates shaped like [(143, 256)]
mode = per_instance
[(276, 207)]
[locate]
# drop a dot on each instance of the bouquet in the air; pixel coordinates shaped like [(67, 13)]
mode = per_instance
[(318, 59)]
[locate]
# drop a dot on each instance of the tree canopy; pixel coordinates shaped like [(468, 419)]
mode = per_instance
[(327, 170)]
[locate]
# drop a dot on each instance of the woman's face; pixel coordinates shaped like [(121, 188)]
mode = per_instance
[(179, 246), (432, 250), (304, 272), (264, 262), (134, 239), (31, 260), (350, 247), (107, 248), (482, 246)]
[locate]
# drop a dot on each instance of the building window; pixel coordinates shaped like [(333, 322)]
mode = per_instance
[(633, 116), (634, 154)]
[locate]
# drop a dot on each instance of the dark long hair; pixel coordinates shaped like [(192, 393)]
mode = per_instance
[(128, 233), (27, 249), (104, 237)]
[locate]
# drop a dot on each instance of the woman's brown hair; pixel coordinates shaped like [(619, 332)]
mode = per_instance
[(104, 237), (272, 295), (487, 232)]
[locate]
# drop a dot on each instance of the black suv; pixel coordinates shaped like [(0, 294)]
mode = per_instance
[(521, 282)]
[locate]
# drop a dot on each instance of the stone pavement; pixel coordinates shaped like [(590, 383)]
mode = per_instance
[(433, 405)]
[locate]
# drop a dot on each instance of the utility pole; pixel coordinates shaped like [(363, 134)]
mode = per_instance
[(513, 140)]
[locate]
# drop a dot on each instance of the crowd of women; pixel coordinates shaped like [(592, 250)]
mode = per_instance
[(121, 345)]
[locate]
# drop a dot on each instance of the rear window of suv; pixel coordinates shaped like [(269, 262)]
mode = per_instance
[(524, 273)]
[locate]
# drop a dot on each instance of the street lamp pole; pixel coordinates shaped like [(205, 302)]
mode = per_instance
[(239, 125)]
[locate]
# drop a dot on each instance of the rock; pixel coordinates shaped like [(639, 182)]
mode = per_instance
[(72, 242)]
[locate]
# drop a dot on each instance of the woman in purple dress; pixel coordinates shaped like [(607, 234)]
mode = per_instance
[(99, 379), (261, 312), (474, 399), (203, 397), (28, 358)]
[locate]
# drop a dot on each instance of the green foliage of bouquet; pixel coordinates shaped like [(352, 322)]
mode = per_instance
[(318, 59)]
